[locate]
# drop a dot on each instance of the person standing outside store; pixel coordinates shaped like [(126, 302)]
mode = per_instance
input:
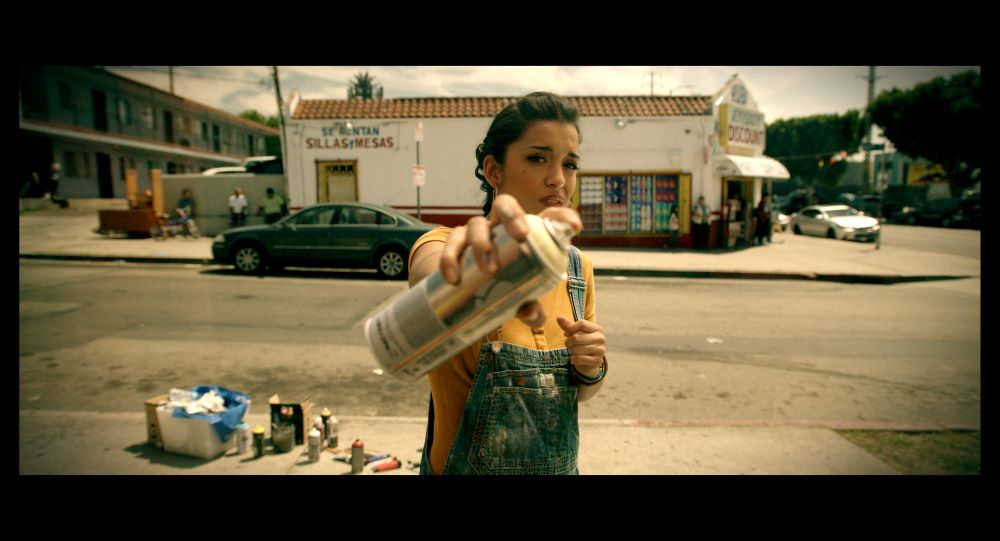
[(674, 226), (526, 164), (762, 230), (237, 208), (272, 207), (700, 216)]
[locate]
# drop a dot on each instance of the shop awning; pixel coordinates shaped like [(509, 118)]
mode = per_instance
[(729, 165)]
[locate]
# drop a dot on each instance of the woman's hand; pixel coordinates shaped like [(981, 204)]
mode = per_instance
[(476, 233), (586, 342)]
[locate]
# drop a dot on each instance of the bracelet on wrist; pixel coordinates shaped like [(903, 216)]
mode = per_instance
[(585, 380)]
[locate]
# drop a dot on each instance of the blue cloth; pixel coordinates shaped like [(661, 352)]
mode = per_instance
[(223, 422)]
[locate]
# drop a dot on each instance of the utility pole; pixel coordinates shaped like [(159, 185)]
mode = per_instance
[(170, 69), (418, 137), (281, 122), (866, 186), (652, 77)]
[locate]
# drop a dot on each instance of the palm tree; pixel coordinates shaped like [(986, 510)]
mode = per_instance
[(363, 87)]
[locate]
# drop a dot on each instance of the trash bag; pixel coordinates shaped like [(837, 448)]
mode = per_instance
[(223, 422)]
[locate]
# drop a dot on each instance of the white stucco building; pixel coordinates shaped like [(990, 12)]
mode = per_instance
[(641, 157)]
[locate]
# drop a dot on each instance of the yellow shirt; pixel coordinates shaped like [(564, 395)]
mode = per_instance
[(451, 382)]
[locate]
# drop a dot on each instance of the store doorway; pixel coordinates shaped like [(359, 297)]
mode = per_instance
[(737, 197), (336, 181)]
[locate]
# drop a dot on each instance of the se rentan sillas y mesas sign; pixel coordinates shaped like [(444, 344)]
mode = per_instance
[(358, 137)]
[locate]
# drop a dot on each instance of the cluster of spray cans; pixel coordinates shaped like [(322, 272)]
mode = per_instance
[(435, 320), (323, 433)]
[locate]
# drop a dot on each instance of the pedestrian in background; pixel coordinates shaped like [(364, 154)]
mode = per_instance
[(52, 192), (763, 221), (186, 202), (482, 420), (674, 226), (272, 207), (237, 208), (700, 215)]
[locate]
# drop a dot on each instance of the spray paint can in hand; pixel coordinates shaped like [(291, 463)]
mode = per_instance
[(332, 432), (243, 438), (258, 441), (357, 456), (314, 445), (435, 320)]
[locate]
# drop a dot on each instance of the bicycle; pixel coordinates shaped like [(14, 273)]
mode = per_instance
[(167, 227)]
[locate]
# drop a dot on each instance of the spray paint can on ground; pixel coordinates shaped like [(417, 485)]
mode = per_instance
[(258, 441), (314, 445), (319, 425), (393, 464), (332, 432), (243, 438), (435, 320), (357, 456), (325, 416)]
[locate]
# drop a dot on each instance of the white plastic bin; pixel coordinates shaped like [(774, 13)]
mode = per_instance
[(190, 436)]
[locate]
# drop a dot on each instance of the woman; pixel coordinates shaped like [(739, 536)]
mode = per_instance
[(508, 403), (762, 231)]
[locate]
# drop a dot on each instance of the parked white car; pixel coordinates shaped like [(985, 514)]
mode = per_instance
[(835, 222)]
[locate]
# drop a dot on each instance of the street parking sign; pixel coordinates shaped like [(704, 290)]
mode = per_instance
[(419, 175)]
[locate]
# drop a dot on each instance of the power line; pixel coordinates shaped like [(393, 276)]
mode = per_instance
[(812, 155), (195, 74)]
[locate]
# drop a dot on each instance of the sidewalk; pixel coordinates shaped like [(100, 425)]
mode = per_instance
[(69, 234), (56, 443), (59, 442)]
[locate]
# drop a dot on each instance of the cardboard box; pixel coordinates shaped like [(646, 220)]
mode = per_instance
[(152, 423), (191, 436), (298, 413)]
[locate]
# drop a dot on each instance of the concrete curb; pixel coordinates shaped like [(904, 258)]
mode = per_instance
[(125, 259), (637, 273), (739, 275)]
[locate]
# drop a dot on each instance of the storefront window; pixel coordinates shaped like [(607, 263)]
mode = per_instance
[(627, 203)]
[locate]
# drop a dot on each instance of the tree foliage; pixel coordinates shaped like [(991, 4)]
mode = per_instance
[(255, 116), (940, 121), (363, 87), (811, 147)]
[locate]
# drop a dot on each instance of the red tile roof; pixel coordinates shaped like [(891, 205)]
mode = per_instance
[(629, 106)]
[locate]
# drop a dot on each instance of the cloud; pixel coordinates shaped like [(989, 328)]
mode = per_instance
[(781, 91)]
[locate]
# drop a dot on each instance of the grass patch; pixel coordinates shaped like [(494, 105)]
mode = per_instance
[(948, 452)]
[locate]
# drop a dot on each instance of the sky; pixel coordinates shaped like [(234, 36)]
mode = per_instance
[(781, 92)]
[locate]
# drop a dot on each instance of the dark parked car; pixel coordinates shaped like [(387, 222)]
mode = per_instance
[(970, 210), (941, 212), (331, 235)]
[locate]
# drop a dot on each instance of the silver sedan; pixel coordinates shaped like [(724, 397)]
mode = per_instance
[(835, 222)]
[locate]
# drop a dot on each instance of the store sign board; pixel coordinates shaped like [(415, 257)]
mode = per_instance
[(339, 136), (925, 173), (743, 130)]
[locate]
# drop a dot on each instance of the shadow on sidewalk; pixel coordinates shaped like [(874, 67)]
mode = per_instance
[(301, 272), (156, 455)]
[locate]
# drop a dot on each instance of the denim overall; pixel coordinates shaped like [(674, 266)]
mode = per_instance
[(521, 414)]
